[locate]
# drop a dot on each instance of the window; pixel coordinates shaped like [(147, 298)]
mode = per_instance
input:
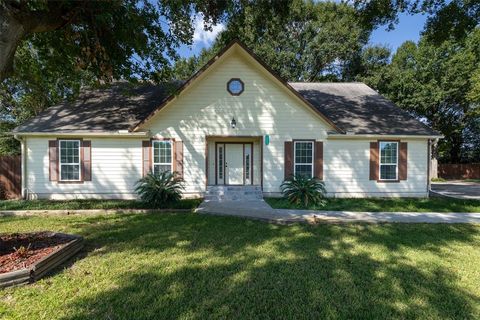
[(388, 160), (235, 87), (69, 151), (304, 158), (162, 156)]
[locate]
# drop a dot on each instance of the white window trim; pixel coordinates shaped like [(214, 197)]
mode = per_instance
[(72, 163), (162, 163), (295, 158), (387, 164)]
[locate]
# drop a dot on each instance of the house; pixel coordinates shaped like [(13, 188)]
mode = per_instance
[(235, 122)]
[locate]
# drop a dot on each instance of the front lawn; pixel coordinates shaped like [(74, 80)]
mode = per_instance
[(386, 205), (188, 266), (455, 180), (472, 180), (89, 204)]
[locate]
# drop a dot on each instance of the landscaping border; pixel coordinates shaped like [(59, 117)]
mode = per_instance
[(20, 213), (44, 265)]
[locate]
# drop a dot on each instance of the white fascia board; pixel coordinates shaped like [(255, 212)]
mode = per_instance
[(381, 136), (123, 134)]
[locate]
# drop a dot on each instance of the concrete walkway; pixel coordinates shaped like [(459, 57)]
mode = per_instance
[(259, 209), (457, 189)]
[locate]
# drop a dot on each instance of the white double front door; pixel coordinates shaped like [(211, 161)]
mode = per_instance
[(234, 163)]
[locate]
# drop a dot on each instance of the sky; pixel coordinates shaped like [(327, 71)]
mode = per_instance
[(408, 28)]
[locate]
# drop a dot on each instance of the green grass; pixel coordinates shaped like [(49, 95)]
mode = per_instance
[(472, 180), (388, 205), (187, 266), (464, 180), (439, 180), (89, 204)]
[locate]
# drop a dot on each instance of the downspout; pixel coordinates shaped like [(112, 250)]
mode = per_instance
[(23, 164)]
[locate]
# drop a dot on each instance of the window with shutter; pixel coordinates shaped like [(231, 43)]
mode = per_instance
[(162, 156), (303, 160), (69, 160), (388, 151)]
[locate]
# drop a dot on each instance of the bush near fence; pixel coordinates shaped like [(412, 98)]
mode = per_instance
[(459, 171)]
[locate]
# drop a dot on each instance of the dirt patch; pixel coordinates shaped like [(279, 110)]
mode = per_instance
[(20, 250)]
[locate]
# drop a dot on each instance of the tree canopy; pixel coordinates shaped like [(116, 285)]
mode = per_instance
[(309, 42), (49, 50), (439, 84)]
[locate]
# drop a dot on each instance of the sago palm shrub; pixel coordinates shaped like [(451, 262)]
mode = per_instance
[(160, 190), (304, 191)]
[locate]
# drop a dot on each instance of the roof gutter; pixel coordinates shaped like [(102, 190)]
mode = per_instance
[(381, 136), (119, 133)]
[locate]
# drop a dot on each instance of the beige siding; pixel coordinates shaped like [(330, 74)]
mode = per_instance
[(347, 167), (264, 108), (116, 166), (205, 109)]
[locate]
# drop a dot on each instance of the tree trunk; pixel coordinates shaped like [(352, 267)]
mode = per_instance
[(11, 33), (456, 148), (17, 21)]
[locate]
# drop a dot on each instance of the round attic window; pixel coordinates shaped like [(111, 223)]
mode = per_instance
[(235, 86)]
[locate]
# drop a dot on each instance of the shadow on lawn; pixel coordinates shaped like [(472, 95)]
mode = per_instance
[(236, 268)]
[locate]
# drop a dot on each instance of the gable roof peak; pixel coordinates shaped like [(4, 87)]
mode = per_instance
[(242, 46)]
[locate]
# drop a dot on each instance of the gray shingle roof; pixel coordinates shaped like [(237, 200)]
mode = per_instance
[(116, 107), (357, 108), (352, 107)]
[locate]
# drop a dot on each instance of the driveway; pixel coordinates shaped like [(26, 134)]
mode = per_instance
[(457, 189)]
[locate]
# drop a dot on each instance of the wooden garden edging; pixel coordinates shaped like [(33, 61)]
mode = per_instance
[(44, 265)]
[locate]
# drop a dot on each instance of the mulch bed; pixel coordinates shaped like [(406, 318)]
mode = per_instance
[(21, 250)]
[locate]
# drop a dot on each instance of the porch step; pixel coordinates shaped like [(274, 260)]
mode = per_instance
[(233, 193)]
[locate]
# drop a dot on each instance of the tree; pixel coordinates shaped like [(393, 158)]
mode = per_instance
[(371, 66), (446, 18), (308, 41), (50, 49), (108, 38), (438, 83)]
